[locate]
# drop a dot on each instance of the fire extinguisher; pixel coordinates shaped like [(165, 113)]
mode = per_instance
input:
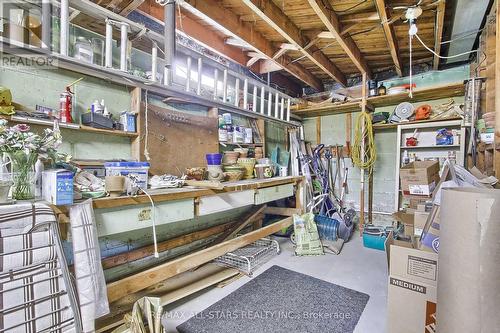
[(66, 105)]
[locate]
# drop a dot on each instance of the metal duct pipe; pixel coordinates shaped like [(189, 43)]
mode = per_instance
[(154, 62), (109, 45), (64, 21), (169, 36), (46, 24), (123, 46)]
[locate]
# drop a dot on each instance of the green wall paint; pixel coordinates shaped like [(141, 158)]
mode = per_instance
[(32, 86), (384, 182)]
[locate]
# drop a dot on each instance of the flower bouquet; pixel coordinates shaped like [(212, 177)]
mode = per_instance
[(21, 149)]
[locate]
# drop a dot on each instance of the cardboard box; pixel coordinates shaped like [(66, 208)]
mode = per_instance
[(414, 200), (419, 220), (419, 178), (58, 187), (412, 289), (407, 219)]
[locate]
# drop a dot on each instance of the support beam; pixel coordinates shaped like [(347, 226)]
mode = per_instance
[(133, 5), (392, 42), (64, 28), (326, 14), (169, 36), (274, 16), (439, 32), (142, 280), (214, 11)]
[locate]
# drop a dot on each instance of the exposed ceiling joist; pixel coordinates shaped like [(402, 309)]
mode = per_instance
[(275, 17), (245, 31), (133, 5), (332, 23), (392, 42), (439, 32), (268, 66)]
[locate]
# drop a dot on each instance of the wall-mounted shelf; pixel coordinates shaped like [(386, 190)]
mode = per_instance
[(241, 144), (75, 127), (419, 95), (429, 147), (395, 125)]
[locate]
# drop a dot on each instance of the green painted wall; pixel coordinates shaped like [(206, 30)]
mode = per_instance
[(384, 182), (32, 86)]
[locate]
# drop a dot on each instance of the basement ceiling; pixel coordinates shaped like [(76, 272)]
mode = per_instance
[(304, 42)]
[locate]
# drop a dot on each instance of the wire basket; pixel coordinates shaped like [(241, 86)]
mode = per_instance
[(247, 259)]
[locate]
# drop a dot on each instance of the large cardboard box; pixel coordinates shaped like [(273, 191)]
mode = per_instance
[(412, 291), (419, 178)]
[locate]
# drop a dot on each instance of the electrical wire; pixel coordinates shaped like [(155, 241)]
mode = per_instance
[(440, 56), (350, 8), (364, 152)]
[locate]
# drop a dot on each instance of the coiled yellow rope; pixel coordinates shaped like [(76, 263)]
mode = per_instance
[(366, 160)]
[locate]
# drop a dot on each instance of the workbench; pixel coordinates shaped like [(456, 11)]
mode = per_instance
[(122, 214)]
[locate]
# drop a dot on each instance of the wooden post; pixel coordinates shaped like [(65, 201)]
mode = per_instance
[(496, 157), (254, 99), (262, 99), (261, 125), (216, 80), (237, 93), (362, 178), (245, 94), (135, 107), (200, 70), (318, 130), (188, 74)]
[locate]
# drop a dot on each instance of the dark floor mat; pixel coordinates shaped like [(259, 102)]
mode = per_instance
[(281, 300)]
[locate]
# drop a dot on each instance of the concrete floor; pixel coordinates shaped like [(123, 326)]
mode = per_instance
[(357, 267)]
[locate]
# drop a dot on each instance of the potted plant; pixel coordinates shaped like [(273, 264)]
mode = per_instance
[(23, 148)]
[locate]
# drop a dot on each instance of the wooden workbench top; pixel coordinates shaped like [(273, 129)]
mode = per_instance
[(188, 192)]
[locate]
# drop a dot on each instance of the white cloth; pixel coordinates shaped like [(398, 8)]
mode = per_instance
[(90, 282)]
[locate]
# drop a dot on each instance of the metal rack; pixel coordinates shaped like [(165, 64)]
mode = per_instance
[(247, 259)]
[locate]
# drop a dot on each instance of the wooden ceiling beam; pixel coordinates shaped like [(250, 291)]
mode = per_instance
[(246, 31), (439, 32), (331, 21), (133, 5), (392, 42), (275, 17)]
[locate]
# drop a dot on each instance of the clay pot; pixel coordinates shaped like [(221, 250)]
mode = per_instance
[(197, 173), (243, 152), (215, 173), (230, 157), (263, 171), (248, 164), (115, 185)]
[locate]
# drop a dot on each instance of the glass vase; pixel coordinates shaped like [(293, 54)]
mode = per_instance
[(23, 174)]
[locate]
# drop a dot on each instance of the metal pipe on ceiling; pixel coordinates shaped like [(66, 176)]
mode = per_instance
[(123, 46), (46, 24), (108, 58), (64, 27), (169, 36)]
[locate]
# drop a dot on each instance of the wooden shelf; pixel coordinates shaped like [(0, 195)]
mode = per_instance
[(430, 147), (395, 125), (241, 144), (75, 127), (419, 95)]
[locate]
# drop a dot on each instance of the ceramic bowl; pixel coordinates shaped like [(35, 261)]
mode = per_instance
[(235, 175)]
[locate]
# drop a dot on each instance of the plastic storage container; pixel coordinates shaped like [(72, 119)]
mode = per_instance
[(138, 169)]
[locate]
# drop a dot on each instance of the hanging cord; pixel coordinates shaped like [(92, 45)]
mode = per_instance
[(440, 56), (411, 66), (364, 121), (153, 219)]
